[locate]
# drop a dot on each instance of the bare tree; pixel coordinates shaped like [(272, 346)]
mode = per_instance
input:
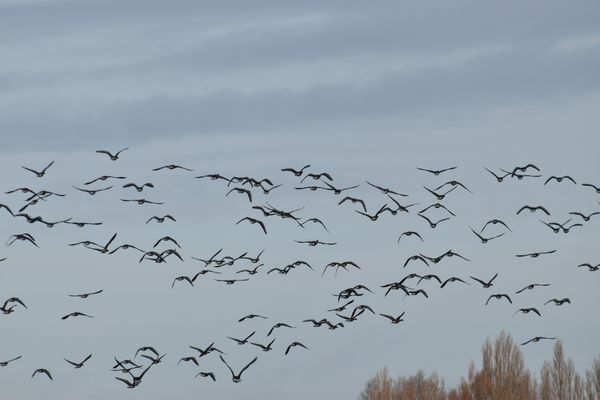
[(560, 381)]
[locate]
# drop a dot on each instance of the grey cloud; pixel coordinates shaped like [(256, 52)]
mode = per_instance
[(506, 78)]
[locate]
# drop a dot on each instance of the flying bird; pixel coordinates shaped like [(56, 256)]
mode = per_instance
[(94, 191), (250, 316), (294, 344), (484, 240), (354, 200), (527, 311), (86, 295), (559, 302), (162, 219), (394, 320), (172, 167), (385, 190), (537, 254), (5, 363), (113, 157), (436, 172), (533, 285), (494, 222), (79, 364), (139, 188), (76, 314), (298, 172), (103, 178), (498, 297), (537, 339), (499, 178), (42, 371), (41, 173), (560, 179), (410, 233), (254, 221), (237, 377)]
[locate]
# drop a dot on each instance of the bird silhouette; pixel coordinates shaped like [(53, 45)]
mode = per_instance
[(41, 173), (42, 371), (254, 221), (498, 297), (436, 172), (238, 377), (113, 157), (296, 172), (294, 344), (78, 365)]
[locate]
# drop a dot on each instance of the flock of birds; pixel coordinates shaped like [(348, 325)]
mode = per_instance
[(131, 371)]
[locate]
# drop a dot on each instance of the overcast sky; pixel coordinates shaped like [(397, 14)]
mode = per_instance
[(360, 90)]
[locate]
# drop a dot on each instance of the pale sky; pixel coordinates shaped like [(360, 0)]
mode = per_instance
[(363, 91)]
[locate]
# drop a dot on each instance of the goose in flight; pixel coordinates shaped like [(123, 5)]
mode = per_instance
[(172, 167), (103, 178), (237, 377), (162, 219), (251, 316), (142, 201), (590, 267), (338, 191), (41, 173), (263, 347), (317, 177), (484, 240), (585, 217), (560, 179), (394, 320), (79, 364), (113, 157), (453, 183), (559, 302), (186, 278), (498, 297), (316, 221), (536, 254), (432, 224), (436, 172), (76, 314), (596, 188), (13, 300), (231, 281), (139, 188), (296, 172), (499, 178), (537, 339), (452, 279), (354, 200), (42, 371), (86, 295), (294, 344), (385, 190), (527, 311), (280, 325), (410, 233), (241, 191), (313, 243), (437, 205), (188, 359), (206, 375), (494, 222), (94, 191), (439, 196), (5, 363), (242, 341), (533, 285), (254, 221)]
